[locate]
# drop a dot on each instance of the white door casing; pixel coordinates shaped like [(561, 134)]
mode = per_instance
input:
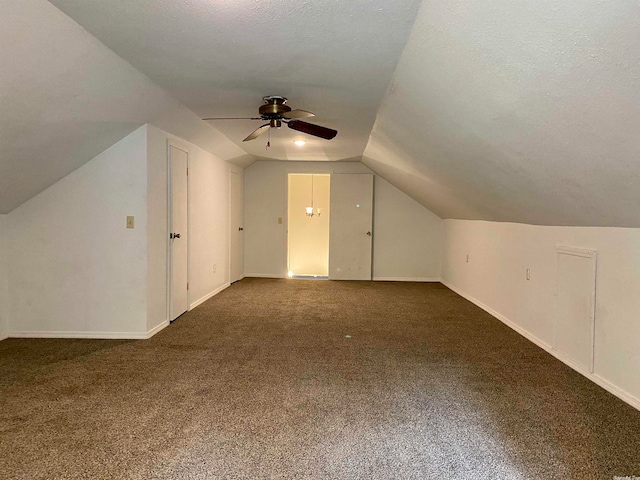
[(236, 245), (351, 227), (308, 236), (178, 228)]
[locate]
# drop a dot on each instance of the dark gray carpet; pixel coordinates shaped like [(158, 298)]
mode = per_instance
[(300, 379)]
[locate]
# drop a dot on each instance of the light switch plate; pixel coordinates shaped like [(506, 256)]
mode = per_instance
[(130, 221)]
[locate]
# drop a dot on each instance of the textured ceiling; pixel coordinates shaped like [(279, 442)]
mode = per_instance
[(65, 97), (498, 110), (219, 58), (517, 111)]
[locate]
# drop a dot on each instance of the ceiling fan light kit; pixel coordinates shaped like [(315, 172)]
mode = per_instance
[(275, 111)]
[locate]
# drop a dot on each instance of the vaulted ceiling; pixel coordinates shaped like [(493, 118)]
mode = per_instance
[(517, 111), (498, 110)]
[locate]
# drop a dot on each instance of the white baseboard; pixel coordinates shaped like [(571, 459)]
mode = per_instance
[(109, 335), (157, 328), (594, 377), (618, 392), (94, 335), (406, 279), (514, 326), (375, 279), (79, 334), (3, 337), (262, 275), (208, 296)]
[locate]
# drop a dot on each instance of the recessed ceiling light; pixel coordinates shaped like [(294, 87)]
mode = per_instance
[(299, 142)]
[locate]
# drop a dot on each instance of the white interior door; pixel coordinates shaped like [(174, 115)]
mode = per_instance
[(575, 315), (178, 239), (351, 230), (236, 250)]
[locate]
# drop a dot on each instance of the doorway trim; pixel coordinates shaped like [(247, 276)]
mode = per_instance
[(231, 226), (287, 221)]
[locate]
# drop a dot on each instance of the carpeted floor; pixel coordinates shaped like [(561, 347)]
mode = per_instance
[(301, 379)]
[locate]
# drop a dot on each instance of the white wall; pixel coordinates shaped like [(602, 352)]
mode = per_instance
[(157, 229), (4, 294), (74, 268), (412, 228), (408, 241), (494, 278), (208, 223)]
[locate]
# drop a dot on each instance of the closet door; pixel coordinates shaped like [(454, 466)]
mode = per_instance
[(351, 227), (575, 315), (178, 239)]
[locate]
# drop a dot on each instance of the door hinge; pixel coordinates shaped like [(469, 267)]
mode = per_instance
[(187, 286), (187, 171)]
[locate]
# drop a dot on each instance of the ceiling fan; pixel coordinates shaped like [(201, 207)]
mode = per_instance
[(276, 112)]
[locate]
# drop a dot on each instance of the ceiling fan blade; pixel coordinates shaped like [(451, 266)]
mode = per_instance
[(298, 114), (257, 132), (311, 129), (229, 118)]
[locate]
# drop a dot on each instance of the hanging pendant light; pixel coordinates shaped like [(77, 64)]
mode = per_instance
[(310, 211)]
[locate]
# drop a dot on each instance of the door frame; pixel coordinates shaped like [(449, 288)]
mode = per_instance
[(286, 212), (319, 171), (180, 146), (241, 178), (285, 223)]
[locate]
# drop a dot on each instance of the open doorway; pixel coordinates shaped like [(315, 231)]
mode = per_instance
[(308, 226)]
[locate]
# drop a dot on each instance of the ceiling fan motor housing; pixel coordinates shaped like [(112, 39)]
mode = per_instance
[(276, 112), (274, 107)]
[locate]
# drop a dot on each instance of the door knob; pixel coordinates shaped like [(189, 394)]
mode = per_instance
[(174, 235), (369, 233), (240, 229)]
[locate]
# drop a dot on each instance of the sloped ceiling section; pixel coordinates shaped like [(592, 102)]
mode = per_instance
[(517, 111), (219, 58), (64, 98)]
